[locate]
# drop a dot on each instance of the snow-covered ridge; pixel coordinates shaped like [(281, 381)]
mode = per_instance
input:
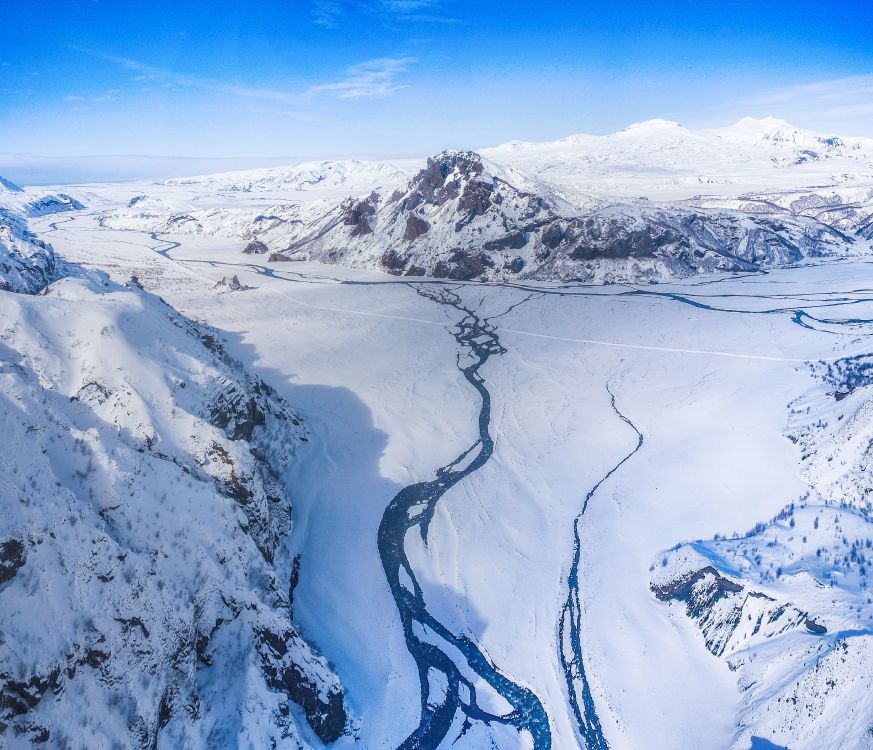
[(662, 160), (157, 539), (350, 176), (143, 546), (788, 604), (466, 217), (27, 263)]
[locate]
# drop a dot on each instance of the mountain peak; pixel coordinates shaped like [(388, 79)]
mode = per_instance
[(765, 131)]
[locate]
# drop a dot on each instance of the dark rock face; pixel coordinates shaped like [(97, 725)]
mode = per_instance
[(235, 411), (27, 264), (615, 241), (415, 227), (552, 236), (359, 214), (12, 559), (682, 589), (256, 247), (814, 627), (515, 265), (393, 262), (475, 201), (326, 715), (432, 184), (513, 241), (278, 258), (462, 266), (19, 697)]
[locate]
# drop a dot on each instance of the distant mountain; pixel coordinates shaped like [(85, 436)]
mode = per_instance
[(309, 177), (463, 217), (651, 202), (662, 160)]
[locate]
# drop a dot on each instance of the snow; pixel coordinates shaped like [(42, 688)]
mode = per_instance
[(661, 160), (751, 392)]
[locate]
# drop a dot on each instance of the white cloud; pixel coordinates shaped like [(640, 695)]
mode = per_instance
[(326, 13), (330, 13), (837, 90), (373, 78), (369, 79), (844, 105)]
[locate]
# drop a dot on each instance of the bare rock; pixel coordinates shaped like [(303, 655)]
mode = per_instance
[(256, 247), (415, 227)]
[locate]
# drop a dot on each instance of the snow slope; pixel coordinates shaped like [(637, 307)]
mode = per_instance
[(144, 539)]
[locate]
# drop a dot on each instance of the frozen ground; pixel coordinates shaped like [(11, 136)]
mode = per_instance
[(707, 373)]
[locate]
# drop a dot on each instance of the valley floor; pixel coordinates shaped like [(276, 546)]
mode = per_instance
[(703, 371)]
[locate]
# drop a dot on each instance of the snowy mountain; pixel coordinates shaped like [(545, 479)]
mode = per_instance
[(27, 263), (320, 177), (465, 217), (143, 548), (663, 160)]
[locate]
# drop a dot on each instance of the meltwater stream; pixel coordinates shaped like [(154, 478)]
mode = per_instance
[(433, 646), (570, 624)]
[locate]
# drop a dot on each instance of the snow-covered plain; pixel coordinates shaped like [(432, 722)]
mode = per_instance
[(708, 440)]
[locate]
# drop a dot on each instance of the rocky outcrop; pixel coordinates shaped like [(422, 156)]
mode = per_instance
[(12, 558), (360, 214), (27, 264), (415, 228), (256, 247), (228, 284), (727, 611)]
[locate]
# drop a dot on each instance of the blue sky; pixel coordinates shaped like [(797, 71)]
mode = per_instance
[(190, 86)]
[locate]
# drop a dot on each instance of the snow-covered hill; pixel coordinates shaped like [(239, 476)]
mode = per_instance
[(321, 177), (663, 160), (27, 263), (145, 577), (788, 605)]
